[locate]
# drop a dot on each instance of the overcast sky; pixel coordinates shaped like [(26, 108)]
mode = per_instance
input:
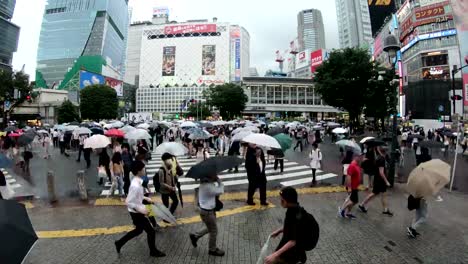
[(271, 24)]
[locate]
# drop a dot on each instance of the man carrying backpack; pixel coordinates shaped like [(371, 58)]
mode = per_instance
[(166, 180), (300, 232)]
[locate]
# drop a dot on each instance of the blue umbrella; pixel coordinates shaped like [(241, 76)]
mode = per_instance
[(5, 162)]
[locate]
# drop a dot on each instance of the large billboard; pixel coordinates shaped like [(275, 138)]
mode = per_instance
[(316, 59), (161, 11), (115, 84), (460, 11), (209, 60), (303, 59), (378, 11), (89, 78), (168, 64), (192, 28), (238, 60)]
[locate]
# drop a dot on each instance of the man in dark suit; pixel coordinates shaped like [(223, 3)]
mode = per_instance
[(255, 166)]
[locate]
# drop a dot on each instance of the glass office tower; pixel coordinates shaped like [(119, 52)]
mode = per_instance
[(75, 28), (9, 33)]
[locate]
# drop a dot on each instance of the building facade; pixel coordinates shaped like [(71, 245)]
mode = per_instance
[(74, 28), (272, 96), (310, 30), (354, 26), (9, 33)]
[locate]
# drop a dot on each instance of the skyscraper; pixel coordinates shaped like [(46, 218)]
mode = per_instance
[(354, 26), (76, 29), (9, 33), (310, 30)]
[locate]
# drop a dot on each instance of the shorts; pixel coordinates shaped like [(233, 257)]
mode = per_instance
[(379, 187), (354, 196)]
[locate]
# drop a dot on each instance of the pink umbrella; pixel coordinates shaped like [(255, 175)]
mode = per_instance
[(15, 135), (114, 133)]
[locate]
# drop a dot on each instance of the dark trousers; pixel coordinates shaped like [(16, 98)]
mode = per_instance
[(299, 144), (253, 185), (80, 149), (281, 164), (55, 141), (141, 224), (126, 179), (314, 171), (62, 147), (175, 201), (87, 157)]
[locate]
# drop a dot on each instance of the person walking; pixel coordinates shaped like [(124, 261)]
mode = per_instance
[(353, 179), (127, 159), (380, 184), (61, 139), (279, 160), (315, 156), (104, 160), (368, 167), (257, 179), (288, 250), (46, 142), (234, 150), (138, 213), (345, 162), (420, 207), (220, 144), (142, 150), (55, 138), (81, 140), (168, 179), (117, 173), (87, 157), (210, 188), (299, 138)]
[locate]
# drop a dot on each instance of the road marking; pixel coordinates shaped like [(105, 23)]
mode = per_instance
[(10, 181), (308, 180), (122, 229)]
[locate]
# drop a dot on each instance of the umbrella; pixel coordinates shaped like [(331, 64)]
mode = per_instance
[(181, 197), (339, 130), (431, 144), (240, 135), (173, 148), (42, 131), (126, 129), (188, 124), (218, 123), (333, 124), (196, 133), (163, 213), (71, 127), (26, 139), (412, 136), (114, 133), (107, 126), (207, 125), (264, 251), (375, 142), (82, 131), (74, 123), (11, 129), (97, 141), (284, 140), (275, 131), (365, 139), (315, 128), (138, 134), (213, 166), (18, 235), (262, 140), (143, 126), (428, 178), (15, 135), (118, 124), (350, 145), (97, 131), (5, 162), (59, 127)]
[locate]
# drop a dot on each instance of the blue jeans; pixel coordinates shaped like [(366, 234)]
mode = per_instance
[(117, 181)]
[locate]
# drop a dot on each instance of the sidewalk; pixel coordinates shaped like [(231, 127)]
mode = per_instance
[(372, 238)]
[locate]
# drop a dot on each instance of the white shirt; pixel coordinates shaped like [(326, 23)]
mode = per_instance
[(55, 134), (207, 194), (316, 157), (135, 196)]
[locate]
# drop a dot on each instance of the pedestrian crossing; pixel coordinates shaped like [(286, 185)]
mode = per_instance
[(10, 180), (293, 174)]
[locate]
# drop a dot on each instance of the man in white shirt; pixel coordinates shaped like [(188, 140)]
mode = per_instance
[(55, 136), (210, 187), (138, 212)]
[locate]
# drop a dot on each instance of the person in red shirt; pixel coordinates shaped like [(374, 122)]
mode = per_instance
[(353, 179)]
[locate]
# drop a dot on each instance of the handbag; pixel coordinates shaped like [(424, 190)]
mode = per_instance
[(219, 205)]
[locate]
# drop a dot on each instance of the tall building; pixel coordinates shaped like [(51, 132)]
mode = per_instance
[(310, 30), (9, 33), (354, 26), (82, 34)]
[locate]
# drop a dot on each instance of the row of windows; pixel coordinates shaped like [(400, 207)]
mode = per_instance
[(205, 34), (55, 10), (430, 44)]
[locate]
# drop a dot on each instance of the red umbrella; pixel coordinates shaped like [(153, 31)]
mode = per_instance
[(114, 133), (15, 135), (19, 131)]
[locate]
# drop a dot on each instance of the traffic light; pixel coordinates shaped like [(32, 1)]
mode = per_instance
[(28, 98), (177, 116), (456, 97)]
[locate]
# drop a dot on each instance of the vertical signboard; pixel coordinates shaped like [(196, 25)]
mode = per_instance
[(168, 66), (235, 35), (460, 11), (115, 84), (238, 60), (209, 60), (315, 60)]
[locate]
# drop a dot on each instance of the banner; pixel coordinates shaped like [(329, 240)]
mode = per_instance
[(316, 60), (303, 59), (168, 67), (209, 60), (238, 60), (115, 84), (89, 78), (460, 11), (194, 28)]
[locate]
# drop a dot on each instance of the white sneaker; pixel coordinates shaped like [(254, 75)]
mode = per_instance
[(439, 199)]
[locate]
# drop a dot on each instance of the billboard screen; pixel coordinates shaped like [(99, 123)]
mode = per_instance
[(460, 9), (194, 28), (238, 60), (378, 11), (161, 11), (115, 84), (316, 60), (209, 60), (89, 78), (168, 67)]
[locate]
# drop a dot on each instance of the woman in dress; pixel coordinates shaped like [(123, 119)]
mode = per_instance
[(315, 161)]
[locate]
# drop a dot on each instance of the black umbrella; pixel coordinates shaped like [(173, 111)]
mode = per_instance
[(207, 125), (410, 137), (431, 144), (275, 131), (180, 194), (26, 139), (375, 143), (97, 131), (18, 235), (11, 129), (213, 166), (74, 123)]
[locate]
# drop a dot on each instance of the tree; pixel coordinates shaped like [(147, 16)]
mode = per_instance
[(67, 113), (200, 110), (9, 83), (98, 102), (343, 81), (230, 99)]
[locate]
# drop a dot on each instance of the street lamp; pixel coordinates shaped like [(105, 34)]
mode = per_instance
[(455, 70), (391, 47)]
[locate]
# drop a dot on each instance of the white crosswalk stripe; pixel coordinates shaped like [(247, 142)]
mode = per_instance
[(10, 180), (293, 174)]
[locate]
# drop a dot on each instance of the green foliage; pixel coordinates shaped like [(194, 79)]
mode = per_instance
[(9, 81), (230, 99), (199, 109), (67, 113), (98, 102), (381, 98)]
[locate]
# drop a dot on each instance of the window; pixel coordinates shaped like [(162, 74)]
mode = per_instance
[(270, 94), (293, 95), (278, 95), (286, 91)]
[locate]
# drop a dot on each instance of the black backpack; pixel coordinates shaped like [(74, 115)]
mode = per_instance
[(156, 183), (309, 231)]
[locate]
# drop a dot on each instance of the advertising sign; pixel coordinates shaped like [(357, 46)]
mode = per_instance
[(115, 84), (168, 66), (193, 28), (209, 60), (316, 60), (439, 34), (378, 48), (460, 9), (89, 78), (378, 11), (404, 11), (140, 117), (303, 59), (234, 34), (423, 3), (238, 60), (430, 11), (161, 11)]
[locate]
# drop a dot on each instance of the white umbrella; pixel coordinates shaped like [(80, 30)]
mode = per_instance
[(428, 178), (118, 124), (218, 123), (262, 140), (143, 126), (82, 130), (333, 124), (339, 130), (163, 213), (107, 126), (240, 135), (173, 148), (127, 129), (345, 143), (97, 141), (188, 124), (365, 139), (71, 128), (137, 134), (264, 252), (280, 123), (42, 131)]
